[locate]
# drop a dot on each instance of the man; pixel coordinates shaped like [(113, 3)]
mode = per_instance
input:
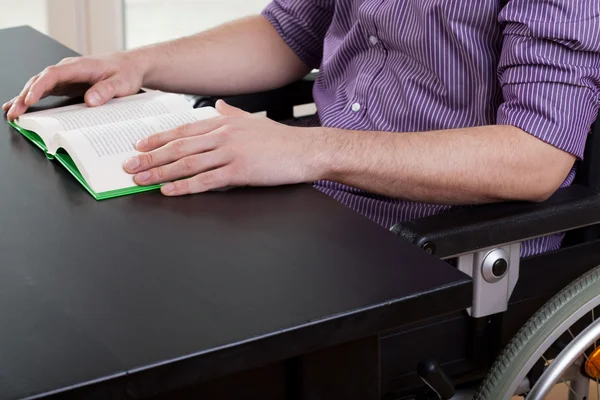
[(423, 104)]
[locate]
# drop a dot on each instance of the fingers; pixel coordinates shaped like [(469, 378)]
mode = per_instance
[(6, 106), (225, 109), (18, 105), (171, 152), (54, 76), (210, 180), (194, 129), (182, 168), (42, 85), (105, 90)]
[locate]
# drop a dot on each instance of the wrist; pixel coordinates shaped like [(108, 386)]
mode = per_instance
[(140, 61), (323, 154)]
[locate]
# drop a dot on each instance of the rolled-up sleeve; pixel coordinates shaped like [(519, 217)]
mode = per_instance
[(549, 70), (302, 24)]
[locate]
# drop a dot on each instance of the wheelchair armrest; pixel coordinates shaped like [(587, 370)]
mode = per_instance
[(466, 229), (279, 103)]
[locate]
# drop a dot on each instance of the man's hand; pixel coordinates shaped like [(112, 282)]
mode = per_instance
[(99, 78), (249, 49), (235, 149), (461, 166)]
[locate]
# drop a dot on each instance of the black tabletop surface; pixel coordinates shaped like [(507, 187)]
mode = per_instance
[(219, 282)]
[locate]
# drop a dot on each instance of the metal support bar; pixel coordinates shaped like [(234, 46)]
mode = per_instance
[(495, 272)]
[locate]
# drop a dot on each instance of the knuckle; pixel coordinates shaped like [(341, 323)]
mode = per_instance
[(206, 179), (181, 131), (66, 60), (46, 76), (146, 159), (213, 179), (226, 133), (32, 80), (50, 70), (110, 86), (160, 173), (20, 99), (155, 139), (116, 83), (189, 164), (224, 177), (235, 169), (182, 186), (178, 146)]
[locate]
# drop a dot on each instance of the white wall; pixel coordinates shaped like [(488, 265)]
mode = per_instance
[(146, 21), (24, 12), (149, 21)]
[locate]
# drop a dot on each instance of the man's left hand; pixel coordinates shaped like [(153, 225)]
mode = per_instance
[(234, 149)]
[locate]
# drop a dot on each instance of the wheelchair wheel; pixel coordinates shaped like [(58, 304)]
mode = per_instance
[(557, 346)]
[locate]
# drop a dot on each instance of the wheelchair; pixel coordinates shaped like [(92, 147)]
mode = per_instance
[(534, 322)]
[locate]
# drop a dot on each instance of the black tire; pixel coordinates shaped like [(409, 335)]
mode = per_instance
[(583, 292)]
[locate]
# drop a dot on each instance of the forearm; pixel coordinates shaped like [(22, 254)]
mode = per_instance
[(243, 56), (462, 166)]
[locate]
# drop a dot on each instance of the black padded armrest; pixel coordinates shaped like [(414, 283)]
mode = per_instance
[(279, 103), (465, 229)]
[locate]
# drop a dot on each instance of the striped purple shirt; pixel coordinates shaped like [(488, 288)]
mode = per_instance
[(420, 65)]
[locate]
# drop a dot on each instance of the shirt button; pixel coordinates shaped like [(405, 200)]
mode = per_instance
[(356, 107), (373, 40)]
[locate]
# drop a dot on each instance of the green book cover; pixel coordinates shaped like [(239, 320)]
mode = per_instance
[(63, 157)]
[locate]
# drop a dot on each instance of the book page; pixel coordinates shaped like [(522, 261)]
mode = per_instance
[(101, 151), (49, 122), (109, 140)]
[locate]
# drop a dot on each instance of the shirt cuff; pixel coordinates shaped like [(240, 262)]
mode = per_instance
[(558, 114), (296, 34)]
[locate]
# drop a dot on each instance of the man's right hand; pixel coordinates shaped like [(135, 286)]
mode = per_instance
[(99, 79)]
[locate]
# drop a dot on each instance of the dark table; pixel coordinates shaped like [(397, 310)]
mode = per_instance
[(251, 293)]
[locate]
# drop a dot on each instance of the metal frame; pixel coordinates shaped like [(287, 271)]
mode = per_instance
[(492, 285)]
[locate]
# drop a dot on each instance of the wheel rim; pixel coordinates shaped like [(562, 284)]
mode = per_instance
[(550, 339), (564, 361)]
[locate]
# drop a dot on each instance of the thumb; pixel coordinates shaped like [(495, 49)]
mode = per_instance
[(106, 90), (225, 109)]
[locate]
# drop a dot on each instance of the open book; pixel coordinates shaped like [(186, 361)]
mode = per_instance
[(93, 143)]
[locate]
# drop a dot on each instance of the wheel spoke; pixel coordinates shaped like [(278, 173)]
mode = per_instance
[(593, 319), (569, 386), (585, 355), (562, 380), (546, 341), (545, 360)]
